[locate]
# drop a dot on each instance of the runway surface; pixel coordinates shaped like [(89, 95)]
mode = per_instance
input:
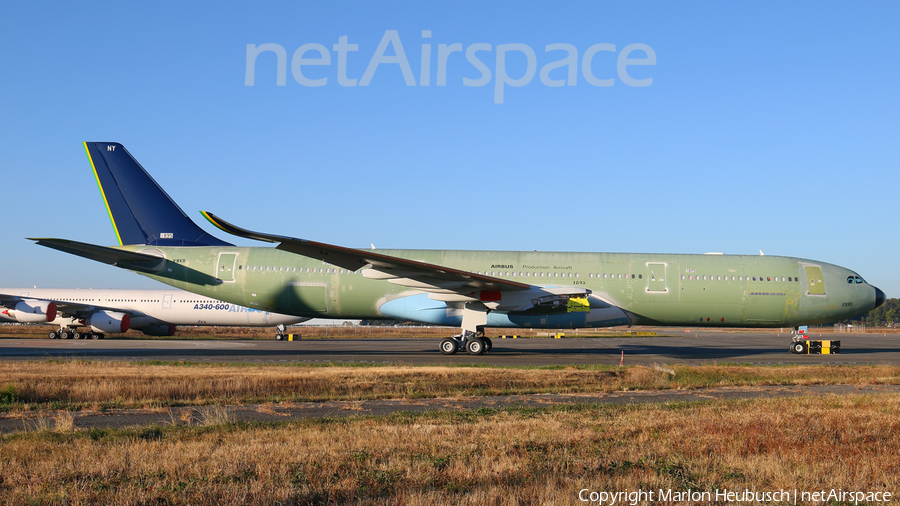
[(673, 348)]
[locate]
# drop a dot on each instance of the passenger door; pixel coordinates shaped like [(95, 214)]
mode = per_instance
[(656, 277), (225, 266)]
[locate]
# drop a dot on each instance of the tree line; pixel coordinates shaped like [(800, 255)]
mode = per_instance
[(886, 315)]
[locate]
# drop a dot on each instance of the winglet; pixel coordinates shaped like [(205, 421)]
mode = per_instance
[(238, 231)]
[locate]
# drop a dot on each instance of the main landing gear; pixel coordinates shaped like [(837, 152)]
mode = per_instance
[(66, 333), (472, 338), (475, 343)]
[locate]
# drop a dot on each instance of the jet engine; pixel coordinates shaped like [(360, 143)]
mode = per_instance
[(159, 330), (108, 322), (34, 311)]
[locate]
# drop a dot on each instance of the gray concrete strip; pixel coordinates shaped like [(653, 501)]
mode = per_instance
[(677, 347), (199, 415)]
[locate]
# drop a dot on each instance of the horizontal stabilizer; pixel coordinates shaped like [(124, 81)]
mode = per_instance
[(125, 259)]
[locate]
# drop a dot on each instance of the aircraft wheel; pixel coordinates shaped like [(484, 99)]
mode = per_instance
[(279, 337), (53, 335), (798, 348), (448, 346), (487, 344), (475, 346), (94, 336), (76, 335), (64, 334)]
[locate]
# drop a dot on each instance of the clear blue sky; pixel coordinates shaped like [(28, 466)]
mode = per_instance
[(768, 125)]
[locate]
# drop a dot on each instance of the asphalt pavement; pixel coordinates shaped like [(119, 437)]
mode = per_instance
[(676, 347)]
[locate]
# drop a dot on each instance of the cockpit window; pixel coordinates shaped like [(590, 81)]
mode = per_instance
[(855, 280)]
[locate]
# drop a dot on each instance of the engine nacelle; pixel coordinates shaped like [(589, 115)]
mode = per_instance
[(159, 330), (34, 311), (108, 322)]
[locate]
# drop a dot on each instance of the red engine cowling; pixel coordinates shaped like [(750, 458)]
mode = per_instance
[(108, 322), (159, 330), (34, 311)]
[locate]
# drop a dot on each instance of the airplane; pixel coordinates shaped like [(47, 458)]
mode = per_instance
[(89, 313), (471, 290)]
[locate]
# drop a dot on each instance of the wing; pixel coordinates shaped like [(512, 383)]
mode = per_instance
[(442, 283), (66, 308), (401, 271)]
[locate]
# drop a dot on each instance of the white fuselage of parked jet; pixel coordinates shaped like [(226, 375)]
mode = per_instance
[(151, 311)]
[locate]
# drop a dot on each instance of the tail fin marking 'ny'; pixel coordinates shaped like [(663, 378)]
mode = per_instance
[(141, 212)]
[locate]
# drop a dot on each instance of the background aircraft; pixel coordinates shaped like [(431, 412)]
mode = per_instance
[(90, 313), (469, 289)]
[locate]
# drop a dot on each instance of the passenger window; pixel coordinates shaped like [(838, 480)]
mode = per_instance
[(640, 276)]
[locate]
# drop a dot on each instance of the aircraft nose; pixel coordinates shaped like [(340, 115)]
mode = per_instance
[(879, 297)]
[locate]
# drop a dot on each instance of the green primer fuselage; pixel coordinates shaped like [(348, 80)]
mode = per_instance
[(667, 289)]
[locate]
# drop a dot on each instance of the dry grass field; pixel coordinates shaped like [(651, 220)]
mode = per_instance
[(69, 385), (486, 456), (519, 456)]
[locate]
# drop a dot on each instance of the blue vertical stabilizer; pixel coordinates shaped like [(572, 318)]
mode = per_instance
[(140, 211)]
